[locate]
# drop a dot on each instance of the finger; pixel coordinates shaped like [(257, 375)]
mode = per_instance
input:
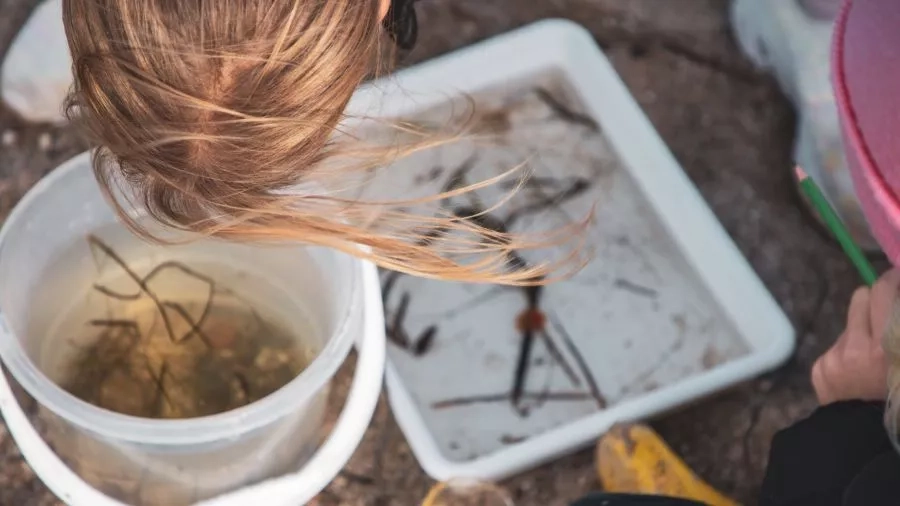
[(881, 389), (820, 383), (832, 366), (882, 302), (890, 335), (858, 316)]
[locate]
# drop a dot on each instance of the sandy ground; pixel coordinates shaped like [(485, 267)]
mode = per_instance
[(729, 127)]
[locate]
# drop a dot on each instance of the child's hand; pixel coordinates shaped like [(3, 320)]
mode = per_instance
[(854, 368)]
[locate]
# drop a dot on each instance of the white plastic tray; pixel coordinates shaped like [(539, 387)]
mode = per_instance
[(668, 312)]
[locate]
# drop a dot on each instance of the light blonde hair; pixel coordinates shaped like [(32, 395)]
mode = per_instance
[(211, 110)]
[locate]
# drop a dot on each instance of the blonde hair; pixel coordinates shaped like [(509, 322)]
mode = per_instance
[(210, 112)]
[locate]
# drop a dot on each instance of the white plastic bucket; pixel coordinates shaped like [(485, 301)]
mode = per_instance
[(265, 440)]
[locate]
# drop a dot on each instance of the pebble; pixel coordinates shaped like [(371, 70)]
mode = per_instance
[(45, 141), (36, 73), (9, 138)]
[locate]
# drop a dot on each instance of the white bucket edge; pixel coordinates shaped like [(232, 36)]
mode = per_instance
[(290, 489)]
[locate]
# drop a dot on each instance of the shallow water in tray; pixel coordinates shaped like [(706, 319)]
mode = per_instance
[(637, 318), (172, 338)]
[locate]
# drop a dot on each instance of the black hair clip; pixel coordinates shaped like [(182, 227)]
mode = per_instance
[(401, 24)]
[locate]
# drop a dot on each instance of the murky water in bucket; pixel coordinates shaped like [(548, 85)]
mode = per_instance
[(166, 340)]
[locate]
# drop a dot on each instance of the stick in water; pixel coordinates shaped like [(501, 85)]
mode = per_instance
[(834, 223)]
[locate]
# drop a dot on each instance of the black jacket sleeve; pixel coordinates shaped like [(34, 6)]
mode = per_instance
[(839, 456)]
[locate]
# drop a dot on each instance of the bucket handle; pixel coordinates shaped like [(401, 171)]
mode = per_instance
[(291, 489)]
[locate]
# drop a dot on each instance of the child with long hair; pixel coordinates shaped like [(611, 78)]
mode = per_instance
[(211, 114)]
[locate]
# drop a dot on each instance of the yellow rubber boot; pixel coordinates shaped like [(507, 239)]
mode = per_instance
[(633, 459)]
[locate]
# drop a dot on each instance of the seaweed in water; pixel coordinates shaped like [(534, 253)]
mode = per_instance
[(531, 323), (158, 354)]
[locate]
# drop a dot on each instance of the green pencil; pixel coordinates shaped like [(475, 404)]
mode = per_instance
[(811, 189)]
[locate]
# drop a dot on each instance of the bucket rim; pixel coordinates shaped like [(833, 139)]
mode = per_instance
[(171, 432)]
